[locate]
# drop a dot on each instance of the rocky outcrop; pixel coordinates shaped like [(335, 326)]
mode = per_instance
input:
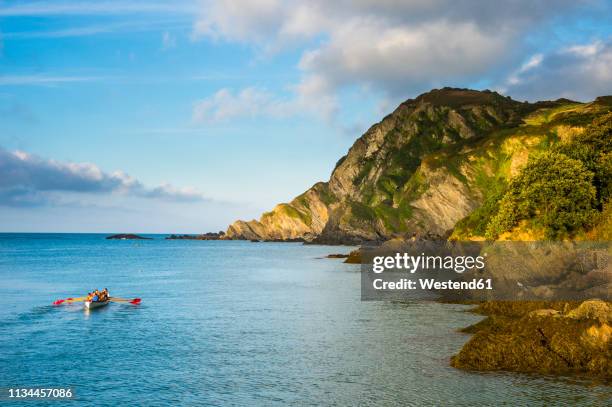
[(303, 218), (446, 201), (423, 168), (127, 236), (205, 236), (549, 338)]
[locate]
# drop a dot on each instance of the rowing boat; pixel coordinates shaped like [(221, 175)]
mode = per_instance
[(95, 304)]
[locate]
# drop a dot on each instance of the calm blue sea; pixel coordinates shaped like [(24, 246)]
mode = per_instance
[(234, 323)]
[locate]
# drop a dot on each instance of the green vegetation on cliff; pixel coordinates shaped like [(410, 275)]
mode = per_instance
[(553, 192), (470, 165), (459, 163), (559, 192)]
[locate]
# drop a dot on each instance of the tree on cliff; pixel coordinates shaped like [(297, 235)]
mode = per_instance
[(593, 148), (553, 192)]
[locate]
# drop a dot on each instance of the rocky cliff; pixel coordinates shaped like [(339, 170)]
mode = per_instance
[(426, 166)]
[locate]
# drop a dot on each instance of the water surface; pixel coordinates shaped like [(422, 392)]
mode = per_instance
[(234, 323)]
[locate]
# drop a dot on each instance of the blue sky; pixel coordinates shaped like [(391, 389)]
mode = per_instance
[(184, 116)]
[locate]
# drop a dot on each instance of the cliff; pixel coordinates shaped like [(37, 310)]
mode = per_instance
[(429, 167)]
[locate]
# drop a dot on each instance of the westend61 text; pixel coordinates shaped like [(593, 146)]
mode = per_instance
[(431, 284)]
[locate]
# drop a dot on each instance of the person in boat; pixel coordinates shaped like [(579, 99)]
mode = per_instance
[(104, 295), (89, 296)]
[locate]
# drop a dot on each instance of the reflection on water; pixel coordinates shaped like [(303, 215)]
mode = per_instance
[(236, 323)]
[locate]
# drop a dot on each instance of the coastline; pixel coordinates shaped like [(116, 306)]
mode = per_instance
[(559, 338), (545, 338), (414, 340)]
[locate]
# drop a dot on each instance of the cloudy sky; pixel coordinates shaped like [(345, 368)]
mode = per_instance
[(183, 116)]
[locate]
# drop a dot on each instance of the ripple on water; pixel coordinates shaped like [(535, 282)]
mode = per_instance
[(233, 323)]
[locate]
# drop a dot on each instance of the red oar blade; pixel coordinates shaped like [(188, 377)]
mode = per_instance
[(69, 300), (126, 300)]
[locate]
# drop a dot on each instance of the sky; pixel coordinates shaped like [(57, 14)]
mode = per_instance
[(183, 116)]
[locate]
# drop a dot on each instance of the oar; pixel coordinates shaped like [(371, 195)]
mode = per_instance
[(69, 300), (126, 300)]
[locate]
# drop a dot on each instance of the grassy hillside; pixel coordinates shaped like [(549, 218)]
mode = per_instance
[(462, 164), (562, 189)]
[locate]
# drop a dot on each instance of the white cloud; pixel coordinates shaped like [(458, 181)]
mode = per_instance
[(533, 62), (308, 97), (168, 41), (245, 21), (9, 80), (290, 20), (585, 50), (314, 94), (396, 58), (249, 102), (167, 191), (129, 25), (28, 179), (514, 78), (393, 47), (579, 72), (50, 8)]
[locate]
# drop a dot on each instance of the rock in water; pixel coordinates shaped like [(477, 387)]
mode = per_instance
[(128, 236), (560, 338)]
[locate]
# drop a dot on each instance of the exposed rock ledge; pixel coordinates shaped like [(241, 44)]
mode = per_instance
[(204, 236), (537, 337), (127, 236)]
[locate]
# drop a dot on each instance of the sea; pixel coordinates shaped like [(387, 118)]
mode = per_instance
[(234, 323)]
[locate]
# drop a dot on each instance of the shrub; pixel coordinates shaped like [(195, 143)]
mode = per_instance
[(553, 192), (475, 224), (593, 148)]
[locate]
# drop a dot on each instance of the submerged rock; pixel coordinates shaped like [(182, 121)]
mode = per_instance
[(337, 256), (354, 257)]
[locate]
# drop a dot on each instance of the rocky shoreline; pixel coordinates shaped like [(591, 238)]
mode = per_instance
[(542, 337), (474, 166), (204, 236), (558, 338)]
